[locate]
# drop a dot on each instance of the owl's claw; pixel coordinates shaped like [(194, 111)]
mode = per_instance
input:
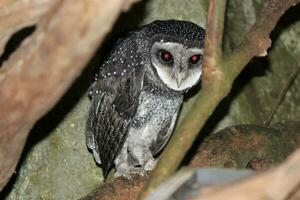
[(150, 165), (130, 172)]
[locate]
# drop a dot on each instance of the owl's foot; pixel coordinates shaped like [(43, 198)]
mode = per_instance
[(150, 165), (129, 172)]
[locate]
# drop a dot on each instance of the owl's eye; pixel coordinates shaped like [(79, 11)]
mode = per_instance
[(166, 56), (195, 59)]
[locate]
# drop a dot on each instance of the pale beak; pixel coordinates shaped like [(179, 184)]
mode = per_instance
[(178, 78)]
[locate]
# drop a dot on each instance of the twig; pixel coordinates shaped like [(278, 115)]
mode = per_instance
[(219, 74)]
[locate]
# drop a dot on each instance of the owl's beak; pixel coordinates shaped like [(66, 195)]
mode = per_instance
[(178, 78), (178, 81)]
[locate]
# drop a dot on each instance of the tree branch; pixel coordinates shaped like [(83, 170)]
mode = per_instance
[(276, 184), (46, 64), (219, 74), (214, 31), (257, 40), (11, 19)]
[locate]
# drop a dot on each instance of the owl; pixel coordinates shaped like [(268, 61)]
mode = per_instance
[(138, 92)]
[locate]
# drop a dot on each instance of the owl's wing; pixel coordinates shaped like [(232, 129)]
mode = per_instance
[(114, 104), (164, 135)]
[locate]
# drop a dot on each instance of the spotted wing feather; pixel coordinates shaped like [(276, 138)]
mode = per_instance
[(114, 104)]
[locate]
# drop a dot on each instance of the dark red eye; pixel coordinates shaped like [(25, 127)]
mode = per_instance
[(166, 56), (195, 59)]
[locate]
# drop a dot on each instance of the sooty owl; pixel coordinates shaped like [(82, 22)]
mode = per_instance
[(138, 92)]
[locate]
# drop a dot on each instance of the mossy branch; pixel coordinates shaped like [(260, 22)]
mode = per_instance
[(219, 74)]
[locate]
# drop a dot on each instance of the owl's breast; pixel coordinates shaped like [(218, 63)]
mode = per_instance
[(153, 120), (155, 108)]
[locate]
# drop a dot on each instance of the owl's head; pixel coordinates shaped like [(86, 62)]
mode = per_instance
[(177, 52)]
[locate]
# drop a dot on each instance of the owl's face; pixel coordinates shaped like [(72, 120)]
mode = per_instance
[(178, 66)]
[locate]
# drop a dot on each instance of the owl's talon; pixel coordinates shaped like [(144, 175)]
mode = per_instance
[(130, 172), (150, 165)]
